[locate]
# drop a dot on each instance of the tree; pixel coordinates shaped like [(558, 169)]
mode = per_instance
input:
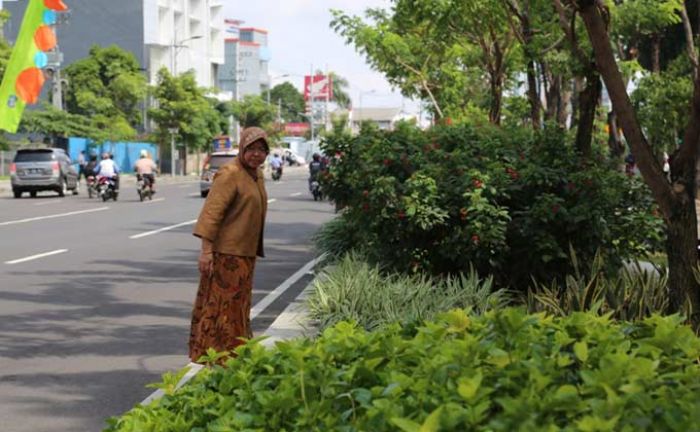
[(340, 94), (675, 197), (291, 102), (184, 105), (108, 85), (254, 111), (55, 123)]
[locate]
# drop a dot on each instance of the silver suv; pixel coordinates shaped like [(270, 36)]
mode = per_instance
[(211, 166), (35, 170)]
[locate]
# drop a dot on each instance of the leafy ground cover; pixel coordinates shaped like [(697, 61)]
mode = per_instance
[(505, 370)]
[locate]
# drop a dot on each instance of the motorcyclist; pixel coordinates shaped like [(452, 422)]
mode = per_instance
[(146, 168), (276, 164), (315, 168), (109, 169)]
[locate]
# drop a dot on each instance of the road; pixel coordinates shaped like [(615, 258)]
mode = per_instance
[(95, 298)]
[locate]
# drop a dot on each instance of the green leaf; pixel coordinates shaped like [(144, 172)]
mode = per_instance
[(581, 351), (432, 423), (406, 425), (468, 387)]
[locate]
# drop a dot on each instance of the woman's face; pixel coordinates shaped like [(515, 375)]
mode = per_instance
[(255, 154)]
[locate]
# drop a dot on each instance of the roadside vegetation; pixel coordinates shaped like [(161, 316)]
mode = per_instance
[(501, 270)]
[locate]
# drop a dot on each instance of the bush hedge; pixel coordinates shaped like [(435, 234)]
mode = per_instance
[(502, 371), (508, 201)]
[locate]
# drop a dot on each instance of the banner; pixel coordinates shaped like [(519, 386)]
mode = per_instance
[(296, 129), (24, 75), (320, 87)]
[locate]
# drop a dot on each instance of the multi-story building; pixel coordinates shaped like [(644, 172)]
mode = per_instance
[(179, 35), (245, 70)]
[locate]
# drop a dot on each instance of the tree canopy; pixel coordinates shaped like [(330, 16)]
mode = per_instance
[(290, 101)]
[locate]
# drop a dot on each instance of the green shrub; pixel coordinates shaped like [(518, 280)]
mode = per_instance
[(509, 202), (631, 294), (353, 290), (502, 371)]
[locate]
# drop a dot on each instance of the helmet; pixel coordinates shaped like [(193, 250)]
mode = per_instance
[(105, 155), (317, 157), (143, 154)]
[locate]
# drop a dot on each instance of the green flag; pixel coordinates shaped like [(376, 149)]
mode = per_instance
[(24, 76)]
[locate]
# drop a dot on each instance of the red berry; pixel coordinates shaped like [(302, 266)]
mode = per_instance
[(401, 215), (365, 193), (365, 206), (448, 121), (477, 183), (475, 239), (387, 162), (436, 146)]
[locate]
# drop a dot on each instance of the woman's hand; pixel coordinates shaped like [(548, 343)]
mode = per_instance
[(206, 262)]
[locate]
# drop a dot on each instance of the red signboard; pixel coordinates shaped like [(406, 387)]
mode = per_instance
[(321, 87), (296, 129)]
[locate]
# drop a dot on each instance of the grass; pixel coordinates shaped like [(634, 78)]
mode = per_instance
[(2, 177)]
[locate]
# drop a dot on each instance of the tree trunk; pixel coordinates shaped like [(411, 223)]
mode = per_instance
[(681, 248), (575, 100), (563, 110), (656, 53), (676, 201), (496, 97), (588, 100), (533, 96)]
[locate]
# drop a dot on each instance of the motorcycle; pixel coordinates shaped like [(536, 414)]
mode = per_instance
[(91, 183), (107, 188), (144, 187), (316, 190), (277, 174)]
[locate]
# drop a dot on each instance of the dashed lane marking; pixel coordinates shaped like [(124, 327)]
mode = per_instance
[(35, 257), (19, 221)]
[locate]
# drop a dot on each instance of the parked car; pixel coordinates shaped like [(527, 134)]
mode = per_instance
[(35, 170), (211, 165)]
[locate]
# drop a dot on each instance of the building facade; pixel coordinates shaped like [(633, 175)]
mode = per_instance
[(179, 35), (245, 69)]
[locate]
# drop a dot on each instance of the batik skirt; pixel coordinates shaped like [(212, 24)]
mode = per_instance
[(221, 313)]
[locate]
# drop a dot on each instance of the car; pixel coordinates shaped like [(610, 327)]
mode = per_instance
[(211, 165), (42, 169)]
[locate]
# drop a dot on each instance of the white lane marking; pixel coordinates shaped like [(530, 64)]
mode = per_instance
[(268, 299), (193, 369), (47, 202), (19, 221), (33, 257), (158, 231), (155, 200), (271, 200), (296, 194), (195, 194), (259, 307)]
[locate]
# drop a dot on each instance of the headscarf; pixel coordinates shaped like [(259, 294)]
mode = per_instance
[(249, 136)]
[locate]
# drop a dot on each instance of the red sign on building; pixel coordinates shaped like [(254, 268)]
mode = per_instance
[(321, 87)]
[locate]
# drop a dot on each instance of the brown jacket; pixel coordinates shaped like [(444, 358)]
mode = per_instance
[(233, 216)]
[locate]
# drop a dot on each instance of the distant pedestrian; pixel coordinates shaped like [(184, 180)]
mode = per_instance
[(231, 226)]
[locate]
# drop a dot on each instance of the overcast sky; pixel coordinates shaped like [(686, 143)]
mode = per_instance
[(299, 36)]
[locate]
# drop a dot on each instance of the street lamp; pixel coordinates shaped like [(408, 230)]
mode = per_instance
[(173, 131), (175, 48)]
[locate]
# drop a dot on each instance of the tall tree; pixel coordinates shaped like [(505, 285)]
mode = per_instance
[(340, 91), (675, 197), (290, 102), (254, 111), (107, 84)]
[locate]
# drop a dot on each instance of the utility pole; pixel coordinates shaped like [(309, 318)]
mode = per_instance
[(172, 131)]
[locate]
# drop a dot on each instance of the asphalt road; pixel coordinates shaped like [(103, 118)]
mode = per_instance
[(95, 302)]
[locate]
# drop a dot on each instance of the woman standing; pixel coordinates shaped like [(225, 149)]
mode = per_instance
[(231, 226)]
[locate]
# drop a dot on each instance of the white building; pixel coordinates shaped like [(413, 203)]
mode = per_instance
[(384, 118)]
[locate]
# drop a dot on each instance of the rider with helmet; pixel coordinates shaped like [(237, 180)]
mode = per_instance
[(315, 168), (146, 169)]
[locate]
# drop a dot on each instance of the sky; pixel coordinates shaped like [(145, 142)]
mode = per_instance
[(300, 36)]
